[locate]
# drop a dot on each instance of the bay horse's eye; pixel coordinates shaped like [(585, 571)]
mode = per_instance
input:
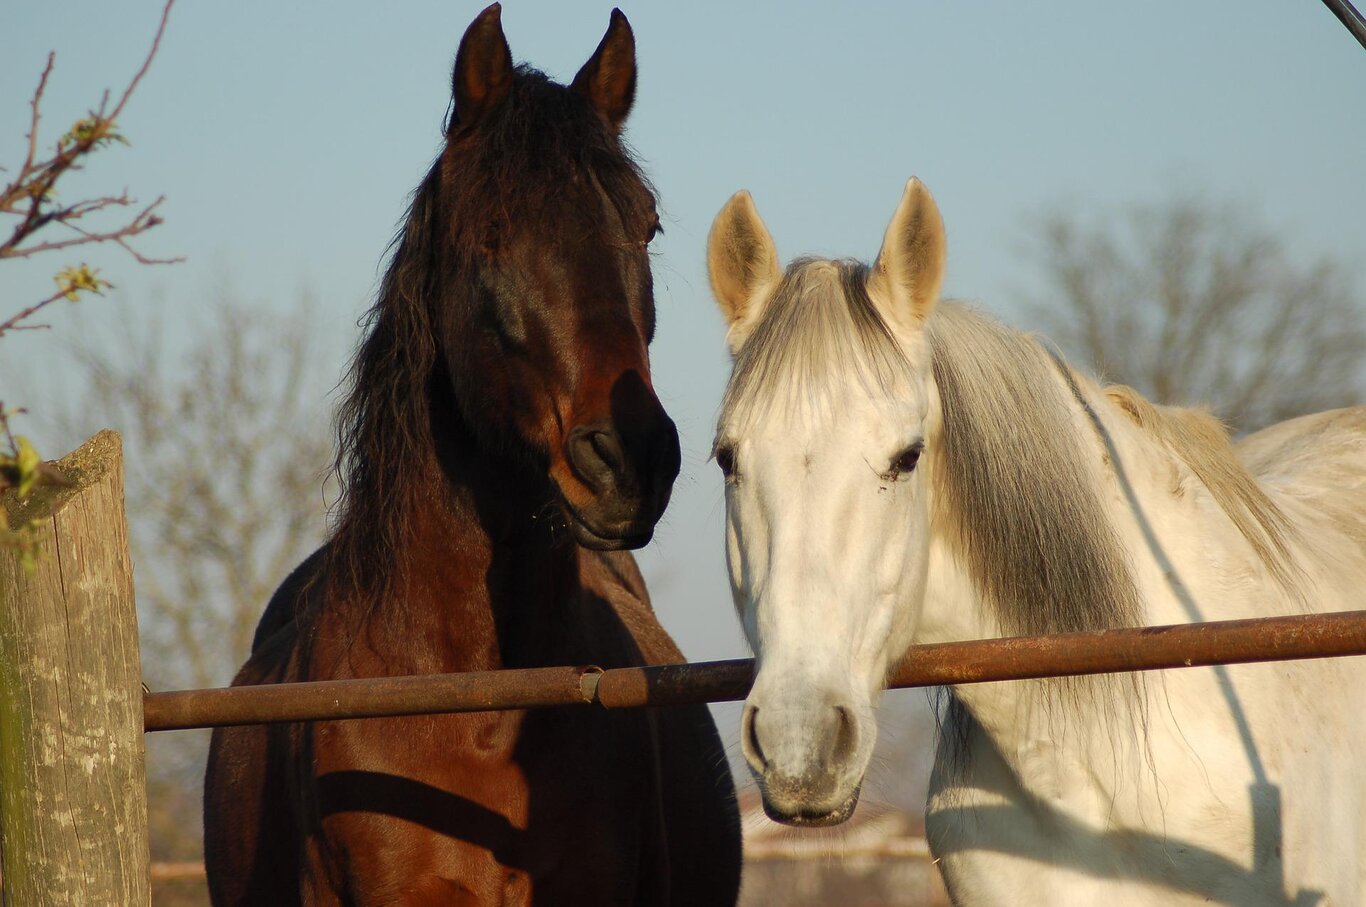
[(725, 458), (905, 461), (656, 229)]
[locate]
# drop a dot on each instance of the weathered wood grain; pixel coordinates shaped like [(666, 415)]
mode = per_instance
[(73, 796)]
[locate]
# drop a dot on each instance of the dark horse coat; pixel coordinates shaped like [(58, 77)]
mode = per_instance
[(500, 444)]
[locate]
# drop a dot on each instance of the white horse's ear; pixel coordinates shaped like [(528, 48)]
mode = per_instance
[(910, 266), (742, 264)]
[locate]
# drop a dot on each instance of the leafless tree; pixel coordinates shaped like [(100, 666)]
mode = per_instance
[(1194, 302), (227, 448)]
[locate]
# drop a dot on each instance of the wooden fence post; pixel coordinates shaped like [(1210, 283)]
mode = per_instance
[(73, 788)]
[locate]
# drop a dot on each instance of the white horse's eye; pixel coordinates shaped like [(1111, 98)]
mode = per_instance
[(725, 458), (905, 461)]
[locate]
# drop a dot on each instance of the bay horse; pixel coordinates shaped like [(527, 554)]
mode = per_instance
[(500, 447), (902, 470)]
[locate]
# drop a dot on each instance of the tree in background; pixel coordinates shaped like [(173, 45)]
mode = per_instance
[(1192, 302), (228, 447)]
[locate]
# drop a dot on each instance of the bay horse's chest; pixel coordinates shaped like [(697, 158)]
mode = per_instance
[(556, 805)]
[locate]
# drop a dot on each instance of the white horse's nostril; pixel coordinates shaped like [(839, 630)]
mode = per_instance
[(846, 737), (749, 739)]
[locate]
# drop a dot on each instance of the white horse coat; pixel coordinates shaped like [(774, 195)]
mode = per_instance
[(903, 471)]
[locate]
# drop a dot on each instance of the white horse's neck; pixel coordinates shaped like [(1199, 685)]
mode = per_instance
[(1236, 785), (1201, 569)]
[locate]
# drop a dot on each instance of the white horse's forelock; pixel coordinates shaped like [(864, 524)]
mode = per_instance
[(819, 325)]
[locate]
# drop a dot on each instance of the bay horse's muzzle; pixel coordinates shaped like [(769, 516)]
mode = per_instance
[(628, 462)]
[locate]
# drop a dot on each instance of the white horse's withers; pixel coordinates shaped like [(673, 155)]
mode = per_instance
[(900, 470)]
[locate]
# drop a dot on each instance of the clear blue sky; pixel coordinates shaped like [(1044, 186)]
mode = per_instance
[(287, 136)]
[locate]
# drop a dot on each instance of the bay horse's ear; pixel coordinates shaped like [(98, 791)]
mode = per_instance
[(483, 69), (608, 79), (910, 267), (742, 264)]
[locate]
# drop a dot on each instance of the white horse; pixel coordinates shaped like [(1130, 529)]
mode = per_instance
[(900, 470)]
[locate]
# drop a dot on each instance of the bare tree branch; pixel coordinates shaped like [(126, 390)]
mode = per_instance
[(34, 117), (29, 195), (144, 220), (1194, 303), (14, 322)]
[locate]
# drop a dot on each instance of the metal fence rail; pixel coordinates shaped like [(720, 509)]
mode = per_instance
[(978, 661)]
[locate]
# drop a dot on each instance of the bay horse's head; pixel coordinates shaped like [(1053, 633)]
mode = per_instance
[(547, 223)]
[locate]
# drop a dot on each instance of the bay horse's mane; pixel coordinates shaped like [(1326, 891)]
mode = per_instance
[(516, 173)]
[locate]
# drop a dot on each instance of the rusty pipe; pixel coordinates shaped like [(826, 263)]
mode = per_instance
[(977, 661), (369, 697), (1247, 641)]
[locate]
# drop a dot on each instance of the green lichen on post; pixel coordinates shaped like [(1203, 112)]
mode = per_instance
[(81, 468), (39, 491), (15, 725)]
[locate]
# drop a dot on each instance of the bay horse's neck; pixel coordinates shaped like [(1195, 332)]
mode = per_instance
[(491, 578)]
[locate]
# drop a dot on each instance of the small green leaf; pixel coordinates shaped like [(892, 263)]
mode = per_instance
[(93, 131), (26, 460), (77, 279)]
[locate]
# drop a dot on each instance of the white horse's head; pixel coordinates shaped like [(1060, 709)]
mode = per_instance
[(829, 408)]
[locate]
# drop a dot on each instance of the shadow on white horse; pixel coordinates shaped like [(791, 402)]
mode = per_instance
[(903, 470)]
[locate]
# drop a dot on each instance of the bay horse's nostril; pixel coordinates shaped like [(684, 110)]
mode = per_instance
[(608, 448), (596, 456)]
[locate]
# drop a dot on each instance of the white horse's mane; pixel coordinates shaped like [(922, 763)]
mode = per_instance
[(1018, 494), (1020, 491)]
